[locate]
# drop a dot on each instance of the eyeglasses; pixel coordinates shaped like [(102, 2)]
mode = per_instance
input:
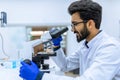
[(76, 23)]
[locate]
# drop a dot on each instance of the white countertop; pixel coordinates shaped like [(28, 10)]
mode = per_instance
[(10, 71), (9, 74)]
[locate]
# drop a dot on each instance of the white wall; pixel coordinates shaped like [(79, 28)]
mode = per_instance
[(35, 11), (111, 17), (72, 43)]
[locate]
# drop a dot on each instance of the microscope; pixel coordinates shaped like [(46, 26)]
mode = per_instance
[(39, 60), (45, 39)]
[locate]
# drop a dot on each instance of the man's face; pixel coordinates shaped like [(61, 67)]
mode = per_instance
[(79, 27)]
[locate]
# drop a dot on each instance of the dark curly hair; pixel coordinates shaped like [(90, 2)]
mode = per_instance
[(87, 10)]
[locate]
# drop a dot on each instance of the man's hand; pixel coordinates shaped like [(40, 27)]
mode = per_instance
[(29, 72), (56, 41)]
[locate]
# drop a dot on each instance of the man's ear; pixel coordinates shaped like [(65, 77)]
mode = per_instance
[(90, 24)]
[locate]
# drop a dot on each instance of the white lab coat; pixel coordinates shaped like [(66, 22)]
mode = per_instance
[(101, 61)]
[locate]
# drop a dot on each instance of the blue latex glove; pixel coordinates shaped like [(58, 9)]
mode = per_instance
[(29, 72), (56, 41)]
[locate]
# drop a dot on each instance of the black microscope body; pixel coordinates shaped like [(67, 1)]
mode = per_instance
[(39, 60)]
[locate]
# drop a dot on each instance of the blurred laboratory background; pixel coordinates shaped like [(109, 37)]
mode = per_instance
[(26, 20)]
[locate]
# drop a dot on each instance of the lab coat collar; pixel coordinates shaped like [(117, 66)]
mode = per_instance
[(94, 40)]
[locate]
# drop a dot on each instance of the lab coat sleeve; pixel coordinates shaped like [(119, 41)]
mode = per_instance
[(66, 63), (104, 67)]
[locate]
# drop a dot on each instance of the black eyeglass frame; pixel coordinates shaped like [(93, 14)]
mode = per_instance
[(76, 23)]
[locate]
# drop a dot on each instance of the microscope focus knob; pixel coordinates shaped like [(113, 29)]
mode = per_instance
[(27, 61)]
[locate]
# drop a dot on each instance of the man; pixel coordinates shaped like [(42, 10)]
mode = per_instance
[(99, 55)]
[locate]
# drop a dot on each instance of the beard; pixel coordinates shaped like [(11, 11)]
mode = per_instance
[(83, 34)]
